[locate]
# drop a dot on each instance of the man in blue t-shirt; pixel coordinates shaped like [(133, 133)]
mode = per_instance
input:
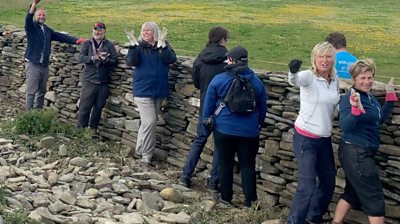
[(343, 58)]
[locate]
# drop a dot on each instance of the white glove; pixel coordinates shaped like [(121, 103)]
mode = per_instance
[(131, 37), (162, 36), (355, 100), (390, 86)]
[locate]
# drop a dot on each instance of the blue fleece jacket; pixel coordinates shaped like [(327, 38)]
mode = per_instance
[(39, 41), (150, 77), (365, 128), (244, 125)]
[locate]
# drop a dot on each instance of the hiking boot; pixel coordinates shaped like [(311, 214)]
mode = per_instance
[(146, 160), (137, 156), (184, 182), (217, 198), (213, 187)]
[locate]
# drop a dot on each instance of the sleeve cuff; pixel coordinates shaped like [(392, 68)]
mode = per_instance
[(356, 111), (391, 97)]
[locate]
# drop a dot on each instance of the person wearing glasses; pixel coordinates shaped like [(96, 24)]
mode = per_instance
[(37, 54), (99, 57)]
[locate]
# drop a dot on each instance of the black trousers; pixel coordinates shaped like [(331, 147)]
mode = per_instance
[(93, 99), (246, 149)]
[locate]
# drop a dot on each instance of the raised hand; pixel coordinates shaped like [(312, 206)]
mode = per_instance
[(355, 102), (294, 65), (390, 93), (162, 37), (36, 1), (131, 37)]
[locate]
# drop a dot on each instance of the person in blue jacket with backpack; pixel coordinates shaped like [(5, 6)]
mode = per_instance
[(151, 56), (236, 133)]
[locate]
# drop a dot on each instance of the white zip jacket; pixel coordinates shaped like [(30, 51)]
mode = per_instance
[(318, 101)]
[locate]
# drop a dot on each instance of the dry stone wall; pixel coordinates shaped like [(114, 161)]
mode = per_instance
[(120, 120)]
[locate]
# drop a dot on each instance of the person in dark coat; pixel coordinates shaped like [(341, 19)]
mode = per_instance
[(99, 56), (208, 63), (151, 56), (37, 54)]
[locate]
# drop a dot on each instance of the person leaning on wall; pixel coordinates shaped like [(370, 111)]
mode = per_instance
[(360, 118), (99, 56), (208, 63), (37, 54), (344, 59), (151, 55), (312, 143)]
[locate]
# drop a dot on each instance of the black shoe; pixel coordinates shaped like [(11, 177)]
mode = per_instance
[(212, 187), (217, 198), (184, 182)]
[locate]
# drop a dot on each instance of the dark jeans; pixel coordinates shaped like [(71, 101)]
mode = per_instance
[(93, 99), (246, 150), (363, 187), (316, 178), (36, 85), (194, 155)]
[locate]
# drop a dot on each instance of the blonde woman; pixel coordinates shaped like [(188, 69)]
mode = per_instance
[(312, 145), (151, 55)]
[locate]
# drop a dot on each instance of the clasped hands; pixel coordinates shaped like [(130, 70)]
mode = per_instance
[(100, 57)]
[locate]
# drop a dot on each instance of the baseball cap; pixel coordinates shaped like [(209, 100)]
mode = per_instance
[(238, 53), (99, 26)]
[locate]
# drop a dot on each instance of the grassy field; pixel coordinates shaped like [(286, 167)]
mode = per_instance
[(274, 31)]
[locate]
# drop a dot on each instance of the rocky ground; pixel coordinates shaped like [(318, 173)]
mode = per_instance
[(103, 188)]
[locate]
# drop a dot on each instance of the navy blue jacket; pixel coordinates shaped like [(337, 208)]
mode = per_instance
[(100, 71), (150, 76), (39, 42), (363, 129), (244, 125), (207, 65)]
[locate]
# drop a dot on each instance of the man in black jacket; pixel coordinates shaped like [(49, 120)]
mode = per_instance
[(99, 56), (37, 54), (209, 63)]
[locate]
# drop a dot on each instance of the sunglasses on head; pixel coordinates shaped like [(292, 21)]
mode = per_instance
[(99, 26)]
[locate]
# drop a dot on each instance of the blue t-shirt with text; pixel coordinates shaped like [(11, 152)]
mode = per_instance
[(343, 61)]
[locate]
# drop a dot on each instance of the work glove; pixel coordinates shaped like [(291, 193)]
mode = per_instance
[(80, 40), (131, 37), (355, 102), (390, 93), (294, 65), (162, 37)]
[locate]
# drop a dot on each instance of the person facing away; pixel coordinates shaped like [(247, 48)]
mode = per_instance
[(312, 145), (151, 55), (99, 56), (208, 63), (37, 54), (344, 59), (236, 133), (360, 119)]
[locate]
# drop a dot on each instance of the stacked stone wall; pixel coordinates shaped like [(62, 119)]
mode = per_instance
[(276, 164)]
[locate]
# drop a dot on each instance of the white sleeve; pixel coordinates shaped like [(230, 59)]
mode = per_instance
[(303, 78)]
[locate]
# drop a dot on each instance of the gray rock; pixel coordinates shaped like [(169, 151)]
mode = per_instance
[(47, 142)]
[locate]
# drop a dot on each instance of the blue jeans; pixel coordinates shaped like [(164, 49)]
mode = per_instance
[(194, 155), (316, 178)]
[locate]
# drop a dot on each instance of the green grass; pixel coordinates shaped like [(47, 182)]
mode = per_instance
[(274, 31)]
